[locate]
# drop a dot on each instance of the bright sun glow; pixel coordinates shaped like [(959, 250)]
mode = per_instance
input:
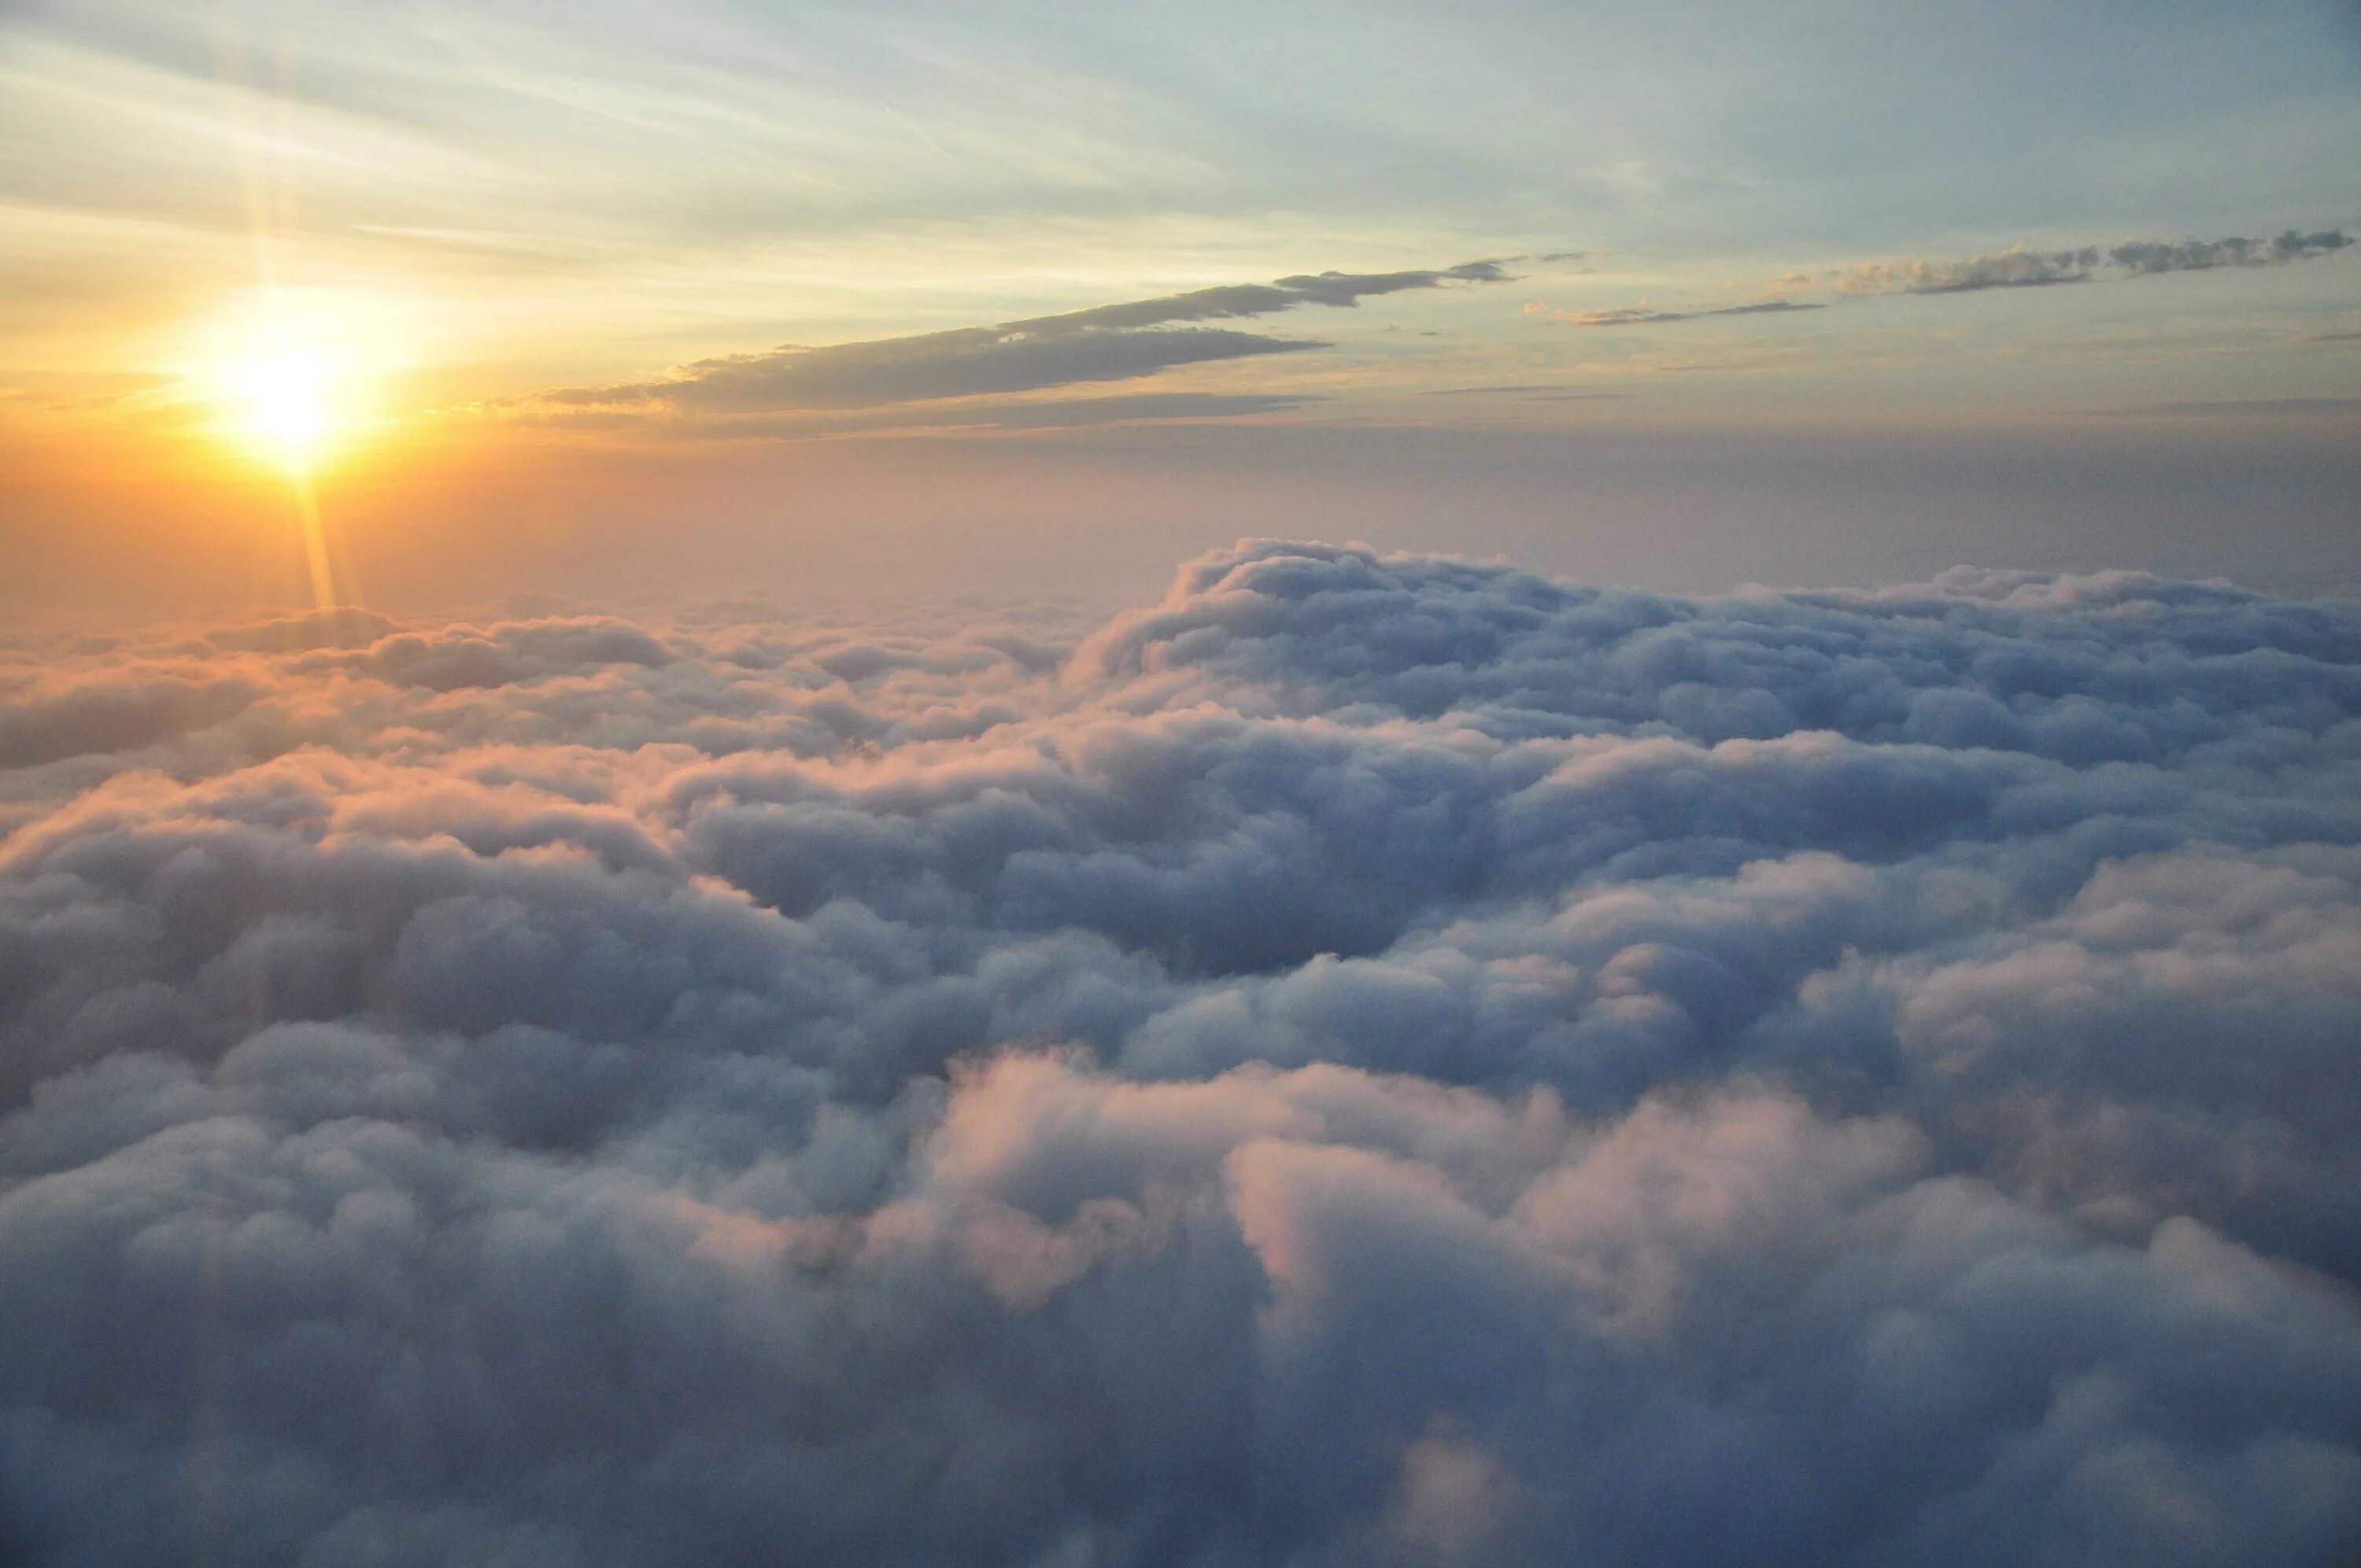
[(285, 396), (283, 380), (290, 375)]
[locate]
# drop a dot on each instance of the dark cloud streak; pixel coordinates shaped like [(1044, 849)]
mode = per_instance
[(1643, 316), (1105, 342), (2014, 268), (2147, 256)]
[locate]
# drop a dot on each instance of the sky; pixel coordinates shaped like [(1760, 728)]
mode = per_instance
[(1179, 785), (615, 300)]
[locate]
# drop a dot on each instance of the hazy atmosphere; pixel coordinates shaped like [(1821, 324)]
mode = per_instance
[(1179, 785)]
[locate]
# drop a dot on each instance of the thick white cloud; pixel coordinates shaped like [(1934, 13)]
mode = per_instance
[(1369, 1059)]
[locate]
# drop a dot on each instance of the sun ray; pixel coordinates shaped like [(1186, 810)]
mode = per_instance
[(316, 540)]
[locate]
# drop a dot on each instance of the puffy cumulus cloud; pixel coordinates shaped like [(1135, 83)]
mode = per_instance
[(1371, 1059)]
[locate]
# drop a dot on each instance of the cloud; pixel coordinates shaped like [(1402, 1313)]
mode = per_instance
[(2015, 268), (971, 362), (1336, 289), (1370, 1057), (1105, 342), (1011, 414), (2197, 255), (2018, 268), (1643, 316)]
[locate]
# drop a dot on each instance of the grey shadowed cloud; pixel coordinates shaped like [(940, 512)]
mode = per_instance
[(1641, 315), (2013, 269), (1585, 1076), (2017, 267), (1336, 289), (1105, 342), (1030, 413), (965, 363), (2197, 255)]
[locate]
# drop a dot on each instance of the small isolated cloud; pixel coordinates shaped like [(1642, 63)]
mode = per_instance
[(2017, 267), (1643, 317), (2014, 268), (2197, 255), (1368, 1059), (1105, 342)]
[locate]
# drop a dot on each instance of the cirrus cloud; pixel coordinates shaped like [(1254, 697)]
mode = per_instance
[(1119, 342), (2015, 268)]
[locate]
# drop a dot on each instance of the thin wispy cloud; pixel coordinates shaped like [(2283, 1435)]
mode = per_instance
[(2200, 254), (1641, 315), (1121, 341), (2017, 267), (2014, 268), (965, 363), (1002, 414)]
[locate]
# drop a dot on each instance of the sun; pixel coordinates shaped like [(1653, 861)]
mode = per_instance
[(287, 399), (293, 378), (285, 403)]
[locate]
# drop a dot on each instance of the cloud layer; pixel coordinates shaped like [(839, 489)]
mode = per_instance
[(1372, 1058)]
